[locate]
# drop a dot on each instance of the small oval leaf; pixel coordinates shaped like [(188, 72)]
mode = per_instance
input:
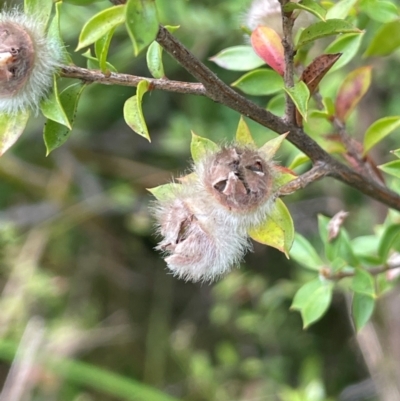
[(154, 60), (141, 22), (243, 134), (200, 147), (322, 29), (238, 58), (133, 113), (385, 41), (300, 95), (341, 9), (362, 309), (379, 10), (268, 45), (277, 230), (101, 48), (54, 133), (11, 128), (351, 91), (305, 254), (313, 300), (379, 130), (100, 24), (260, 82), (363, 283)]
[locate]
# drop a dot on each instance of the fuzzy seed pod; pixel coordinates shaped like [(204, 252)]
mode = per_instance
[(28, 60), (199, 248), (205, 219), (238, 183)]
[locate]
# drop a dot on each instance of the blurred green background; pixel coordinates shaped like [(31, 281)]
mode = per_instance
[(91, 306)]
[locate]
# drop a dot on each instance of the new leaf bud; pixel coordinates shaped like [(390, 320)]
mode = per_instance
[(28, 60)]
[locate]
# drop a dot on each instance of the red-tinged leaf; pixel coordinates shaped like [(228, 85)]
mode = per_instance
[(314, 73), (268, 45), (351, 91)]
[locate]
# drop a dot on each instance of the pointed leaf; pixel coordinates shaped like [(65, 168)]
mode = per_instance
[(305, 254), (392, 168), (351, 91), (154, 60), (277, 230), (314, 73), (11, 128), (385, 41), (100, 24), (313, 300), (348, 45), (243, 134), (379, 130), (200, 147), (300, 96), (341, 9), (307, 5), (40, 9), (299, 160), (363, 283), (56, 134), (52, 108), (133, 113), (260, 82), (271, 147), (101, 48), (164, 192), (379, 10), (322, 29), (268, 45), (55, 34), (238, 58), (362, 309), (141, 22), (390, 238)]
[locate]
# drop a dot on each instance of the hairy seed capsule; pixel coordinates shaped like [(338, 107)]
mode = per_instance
[(28, 60)]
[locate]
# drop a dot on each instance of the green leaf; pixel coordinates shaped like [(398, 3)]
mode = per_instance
[(166, 191), (101, 48), (390, 236), (277, 230), (52, 108), (11, 128), (237, 58), (298, 160), (271, 147), (362, 309), (379, 130), (55, 34), (141, 22), (313, 300), (282, 175), (378, 10), (392, 168), (133, 113), (310, 6), (363, 283), (305, 254), (385, 41), (40, 9), (243, 134), (348, 45), (341, 9), (277, 104), (154, 60), (300, 95), (56, 134), (200, 147), (100, 24), (322, 29), (260, 82)]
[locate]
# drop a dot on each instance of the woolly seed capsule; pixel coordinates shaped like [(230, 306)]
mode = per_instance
[(28, 60)]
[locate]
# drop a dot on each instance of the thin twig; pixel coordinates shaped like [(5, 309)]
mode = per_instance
[(374, 271), (318, 171), (287, 43)]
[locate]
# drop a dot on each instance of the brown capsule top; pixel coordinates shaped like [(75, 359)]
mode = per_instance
[(16, 58), (239, 178)]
